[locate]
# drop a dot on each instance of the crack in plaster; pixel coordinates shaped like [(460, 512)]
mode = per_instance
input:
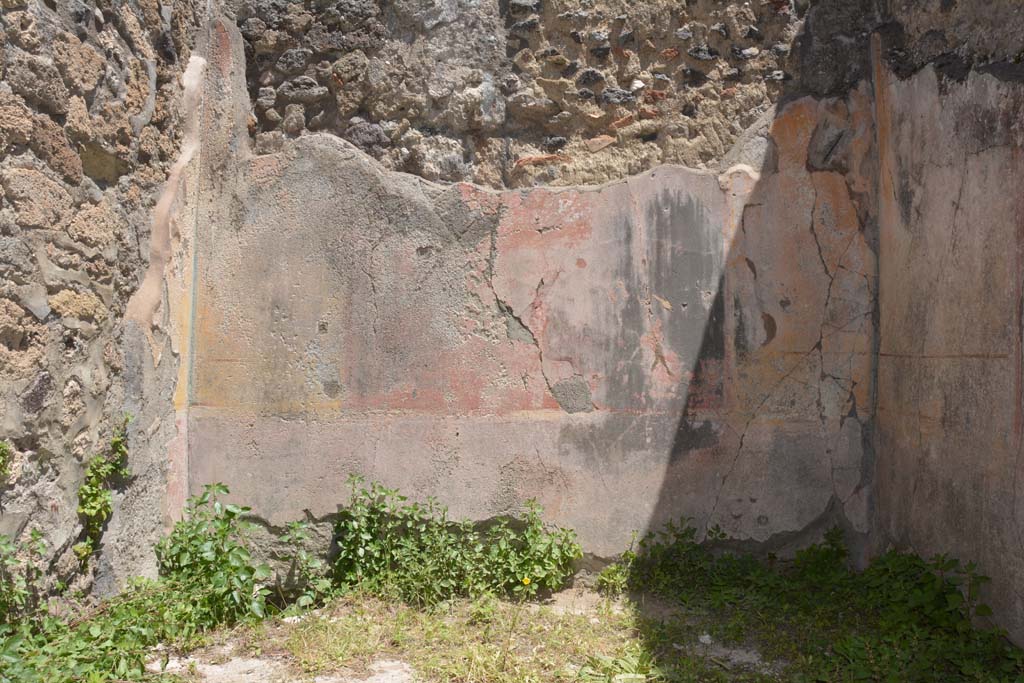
[(551, 471), (846, 383), (506, 309), (367, 269), (841, 382), (820, 346), (753, 415)]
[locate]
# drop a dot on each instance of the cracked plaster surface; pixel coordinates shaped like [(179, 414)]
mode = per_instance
[(627, 353)]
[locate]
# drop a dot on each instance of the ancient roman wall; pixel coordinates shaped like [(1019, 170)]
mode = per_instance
[(676, 343), (755, 264)]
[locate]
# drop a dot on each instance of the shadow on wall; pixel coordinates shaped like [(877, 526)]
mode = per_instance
[(782, 390), (677, 343), (930, 371)]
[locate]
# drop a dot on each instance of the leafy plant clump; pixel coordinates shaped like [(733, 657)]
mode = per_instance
[(309, 573), (208, 579), (413, 551), (206, 557), (22, 577), (95, 495), (902, 619)]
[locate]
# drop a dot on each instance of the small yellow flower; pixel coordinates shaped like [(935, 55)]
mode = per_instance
[(526, 580)]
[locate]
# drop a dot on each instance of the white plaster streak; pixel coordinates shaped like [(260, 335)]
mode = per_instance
[(145, 303)]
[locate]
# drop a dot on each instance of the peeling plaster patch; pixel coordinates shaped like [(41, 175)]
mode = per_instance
[(143, 307), (573, 395), (516, 330)]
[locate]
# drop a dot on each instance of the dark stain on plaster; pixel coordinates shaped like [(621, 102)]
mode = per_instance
[(682, 258), (740, 340), (704, 392), (951, 67), (906, 199), (686, 262), (1008, 72), (770, 328), (615, 438), (832, 52), (681, 261), (332, 388), (713, 346), (829, 147), (629, 386)]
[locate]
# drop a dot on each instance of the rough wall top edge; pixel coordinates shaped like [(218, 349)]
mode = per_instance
[(954, 36), (506, 100)]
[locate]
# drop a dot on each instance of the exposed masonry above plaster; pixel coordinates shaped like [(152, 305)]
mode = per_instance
[(626, 353)]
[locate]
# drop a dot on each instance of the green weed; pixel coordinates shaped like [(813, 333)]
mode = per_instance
[(6, 460), (413, 551), (95, 495), (208, 579), (461, 612), (633, 665), (309, 573), (206, 556), (903, 619), (22, 578)]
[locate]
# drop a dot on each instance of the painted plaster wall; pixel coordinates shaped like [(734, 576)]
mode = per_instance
[(950, 411), (680, 343), (491, 346)]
